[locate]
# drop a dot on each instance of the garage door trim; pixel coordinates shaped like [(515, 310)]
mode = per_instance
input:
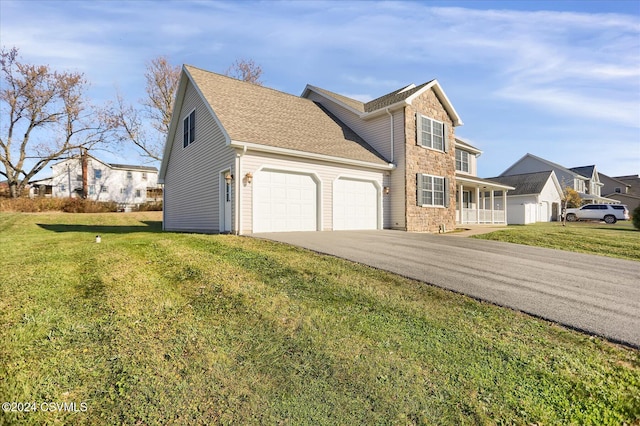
[(378, 188), (299, 171)]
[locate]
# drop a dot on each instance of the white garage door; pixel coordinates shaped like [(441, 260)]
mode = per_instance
[(355, 205), (284, 201)]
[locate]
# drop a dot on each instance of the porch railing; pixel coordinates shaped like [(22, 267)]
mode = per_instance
[(482, 216)]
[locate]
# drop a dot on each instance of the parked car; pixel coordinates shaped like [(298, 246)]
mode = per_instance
[(610, 213)]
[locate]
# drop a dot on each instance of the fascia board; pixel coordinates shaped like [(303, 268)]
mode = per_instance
[(483, 182), (315, 90), (457, 121), (308, 155)]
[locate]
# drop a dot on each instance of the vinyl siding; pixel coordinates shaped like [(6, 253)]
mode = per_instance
[(326, 173), (531, 165), (192, 181), (375, 132)]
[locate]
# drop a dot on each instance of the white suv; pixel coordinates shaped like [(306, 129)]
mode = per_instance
[(610, 213)]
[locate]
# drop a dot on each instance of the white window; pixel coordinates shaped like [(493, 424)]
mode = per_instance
[(462, 161), (432, 190), (129, 175), (431, 133), (189, 129), (92, 189), (97, 174)]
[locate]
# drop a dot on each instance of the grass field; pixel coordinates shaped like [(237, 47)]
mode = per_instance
[(159, 328), (619, 240)]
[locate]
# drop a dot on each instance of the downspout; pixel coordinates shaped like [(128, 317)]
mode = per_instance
[(392, 135)]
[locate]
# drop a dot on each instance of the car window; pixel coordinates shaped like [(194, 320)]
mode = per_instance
[(619, 207), (590, 207)]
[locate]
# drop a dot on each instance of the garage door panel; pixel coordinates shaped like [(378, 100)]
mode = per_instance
[(355, 205), (284, 201)]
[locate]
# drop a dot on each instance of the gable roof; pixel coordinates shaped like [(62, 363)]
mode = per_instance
[(401, 97), (586, 171), (111, 165), (259, 115), (551, 164), (527, 183), (467, 146)]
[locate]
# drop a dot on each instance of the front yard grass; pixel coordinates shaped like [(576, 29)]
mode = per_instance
[(150, 327), (619, 240)]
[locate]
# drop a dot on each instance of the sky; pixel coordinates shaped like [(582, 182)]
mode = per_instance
[(557, 79)]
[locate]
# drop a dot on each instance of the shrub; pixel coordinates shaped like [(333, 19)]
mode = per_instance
[(149, 207), (636, 217), (69, 205)]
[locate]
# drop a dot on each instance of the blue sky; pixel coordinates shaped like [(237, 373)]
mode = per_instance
[(558, 79)]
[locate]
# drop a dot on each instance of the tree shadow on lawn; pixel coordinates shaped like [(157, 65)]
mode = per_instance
[(154, 226)]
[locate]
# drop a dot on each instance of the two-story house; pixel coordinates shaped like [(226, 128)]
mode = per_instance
[(124, 184), (243, 158), (584, 180)]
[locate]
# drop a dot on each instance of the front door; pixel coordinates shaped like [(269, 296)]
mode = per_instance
[(225, 196)]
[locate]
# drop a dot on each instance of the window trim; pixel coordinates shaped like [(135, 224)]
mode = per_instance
[(462, 162), (189, 129), (420, 190), (420, 131)]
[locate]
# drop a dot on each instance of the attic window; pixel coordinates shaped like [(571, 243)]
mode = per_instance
[(189, 129), (431, 133)]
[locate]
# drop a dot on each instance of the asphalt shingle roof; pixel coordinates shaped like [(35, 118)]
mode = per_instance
[(260, 115), (526, 183)]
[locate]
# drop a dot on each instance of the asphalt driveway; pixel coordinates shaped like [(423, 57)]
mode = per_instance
[(595, 294)]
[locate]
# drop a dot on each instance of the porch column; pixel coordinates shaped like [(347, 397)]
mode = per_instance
[(460, 202), (492, 206), (504, 205), (478, 205)]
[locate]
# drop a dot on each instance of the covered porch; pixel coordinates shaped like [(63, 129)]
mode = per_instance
[(480, 201)]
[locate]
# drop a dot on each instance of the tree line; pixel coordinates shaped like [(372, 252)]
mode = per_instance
[(46, 114)]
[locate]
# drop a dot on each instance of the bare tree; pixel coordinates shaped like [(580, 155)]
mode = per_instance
[(162, 80), (245, 70), (44, 115), (147, 126)]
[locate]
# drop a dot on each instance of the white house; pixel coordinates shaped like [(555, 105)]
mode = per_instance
[(584, 180), (536, 198), (127, 185), (243, 158)]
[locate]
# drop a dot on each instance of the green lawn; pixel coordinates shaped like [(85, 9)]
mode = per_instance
[(620, 240), (158, 328)]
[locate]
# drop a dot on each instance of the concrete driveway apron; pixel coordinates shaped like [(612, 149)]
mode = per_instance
[(595, 294)]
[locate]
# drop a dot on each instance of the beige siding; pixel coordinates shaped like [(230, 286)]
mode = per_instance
[(192, 184), (397, 216), (376, 132), (325, 172)]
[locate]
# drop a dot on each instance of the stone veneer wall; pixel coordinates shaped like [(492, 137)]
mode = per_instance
[(428, 161)]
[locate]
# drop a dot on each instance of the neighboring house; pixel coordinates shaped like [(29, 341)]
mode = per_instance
[(612, 185), (127, 185), (244, 158), (634, 183), (626, 190), (478, 200), (584, 180), (537, 197)]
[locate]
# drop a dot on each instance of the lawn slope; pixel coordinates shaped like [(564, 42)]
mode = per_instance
[(160, 328)]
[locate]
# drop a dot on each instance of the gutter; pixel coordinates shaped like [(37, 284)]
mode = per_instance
[(309, 155), (392, 136)]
